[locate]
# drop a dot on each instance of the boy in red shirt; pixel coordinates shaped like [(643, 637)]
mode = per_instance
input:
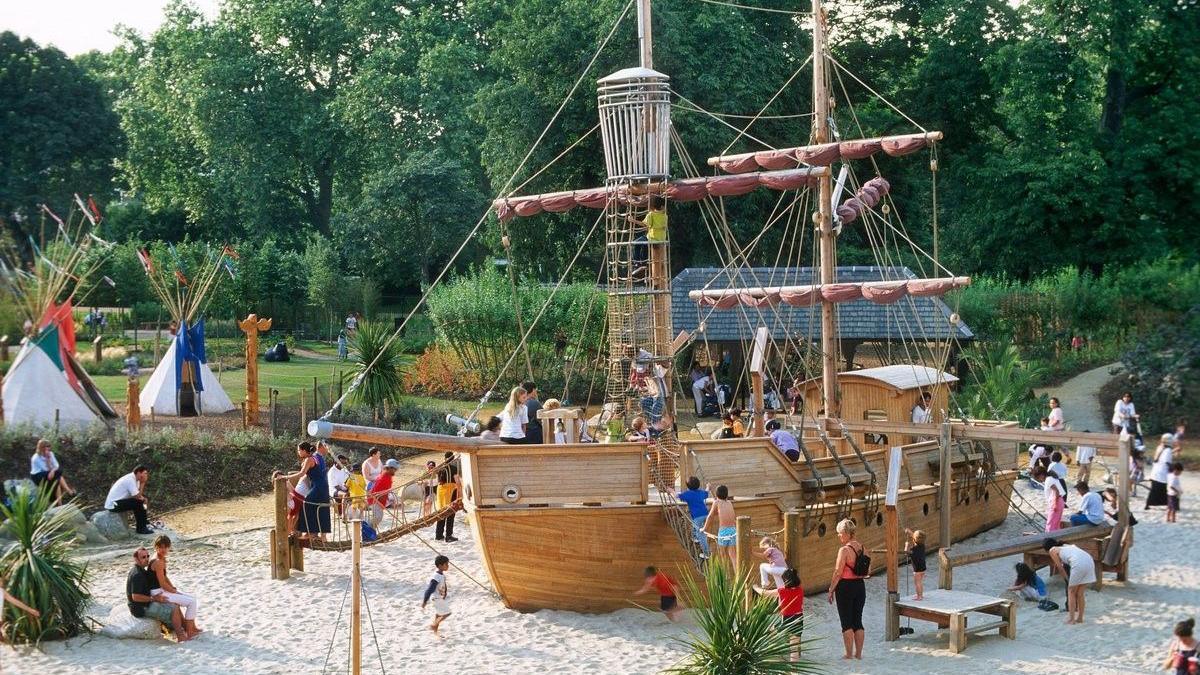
[(665, 586)]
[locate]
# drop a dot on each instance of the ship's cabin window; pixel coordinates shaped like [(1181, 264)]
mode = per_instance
[(875, 415)]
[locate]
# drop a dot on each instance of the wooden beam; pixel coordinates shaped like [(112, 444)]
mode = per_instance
[(758, 361), (356, 592), (986, 433), (792, 538), (742, 551), (393, 437), (281, 568)]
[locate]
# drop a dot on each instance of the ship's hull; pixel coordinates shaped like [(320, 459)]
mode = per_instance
[(589, 558)]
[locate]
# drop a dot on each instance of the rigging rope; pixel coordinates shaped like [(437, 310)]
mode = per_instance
[(474, 230), (752, 8)]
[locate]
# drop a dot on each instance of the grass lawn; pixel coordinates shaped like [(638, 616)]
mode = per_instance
[(289, 378)]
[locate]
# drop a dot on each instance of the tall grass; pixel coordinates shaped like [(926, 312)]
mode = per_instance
[(735, 637), (41, 572)]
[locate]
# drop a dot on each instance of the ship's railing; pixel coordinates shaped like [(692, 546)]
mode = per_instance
[(583, 473)]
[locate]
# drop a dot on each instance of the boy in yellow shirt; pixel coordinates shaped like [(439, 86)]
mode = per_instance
[(356, 487), (649, 245)]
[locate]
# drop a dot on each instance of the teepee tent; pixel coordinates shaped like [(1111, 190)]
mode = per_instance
[(182, 384), (46, 384)]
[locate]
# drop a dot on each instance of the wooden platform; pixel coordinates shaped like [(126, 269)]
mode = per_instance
[(949, 609), (1084, 536)]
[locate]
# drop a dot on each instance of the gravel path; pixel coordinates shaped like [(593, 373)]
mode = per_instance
[(1079, 397)]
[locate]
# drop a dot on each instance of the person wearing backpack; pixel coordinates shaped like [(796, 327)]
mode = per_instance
[(847, 587)]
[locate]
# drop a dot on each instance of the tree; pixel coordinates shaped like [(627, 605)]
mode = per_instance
[(59, 134)]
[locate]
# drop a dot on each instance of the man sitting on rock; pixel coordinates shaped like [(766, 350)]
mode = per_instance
[(141, 605), (128, 494)]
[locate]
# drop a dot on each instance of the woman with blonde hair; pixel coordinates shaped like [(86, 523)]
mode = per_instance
[(848, 588), (514, 418)]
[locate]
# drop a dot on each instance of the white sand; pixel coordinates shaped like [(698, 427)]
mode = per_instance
[(256, 625)]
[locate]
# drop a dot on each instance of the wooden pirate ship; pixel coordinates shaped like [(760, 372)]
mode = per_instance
[(571, 526)]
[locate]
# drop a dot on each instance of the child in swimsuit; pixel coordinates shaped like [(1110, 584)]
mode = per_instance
[(722, 510), (916, 553)]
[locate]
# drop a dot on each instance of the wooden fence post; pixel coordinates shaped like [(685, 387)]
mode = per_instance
[(99, 347), (303, 416), (133, 410), (280, 563), (791, 538)]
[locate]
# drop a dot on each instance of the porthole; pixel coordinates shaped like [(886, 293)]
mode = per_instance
[(986, 496), (968, 500), (925, 508), (821, 530), (878, 519), (511, 494)]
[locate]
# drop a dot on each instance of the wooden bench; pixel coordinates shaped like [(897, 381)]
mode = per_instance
[(1095, 548), (949, 558), (949, 609)]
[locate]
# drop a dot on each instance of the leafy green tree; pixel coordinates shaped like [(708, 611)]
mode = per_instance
[(59, 134)]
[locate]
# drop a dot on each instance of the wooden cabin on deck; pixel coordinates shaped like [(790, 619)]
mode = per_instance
[(886, 394)]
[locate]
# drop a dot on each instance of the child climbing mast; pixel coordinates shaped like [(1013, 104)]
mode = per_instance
[(652, 244), (438, 591)]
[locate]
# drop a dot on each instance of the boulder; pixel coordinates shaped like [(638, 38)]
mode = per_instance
[(121, 625), (73, 515), (90, 533), (112, 526)]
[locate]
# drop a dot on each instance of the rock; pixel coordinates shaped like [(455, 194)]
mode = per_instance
[(74, 515), (121, 625), (90, 533), (112, 526)]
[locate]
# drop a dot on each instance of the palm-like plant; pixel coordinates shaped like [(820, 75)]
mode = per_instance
[(41, 572), (736, 637), (1003, 387), (379, 365)]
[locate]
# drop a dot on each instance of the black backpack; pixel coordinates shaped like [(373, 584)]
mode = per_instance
[(862, 562)]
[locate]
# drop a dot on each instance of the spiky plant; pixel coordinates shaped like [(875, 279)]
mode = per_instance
[(41, 572), (379, 365), (735, 637)]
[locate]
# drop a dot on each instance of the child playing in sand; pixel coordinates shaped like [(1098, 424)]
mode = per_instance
[(775, 563), (1174, 491), (438, 591), (722, 510), (791, 606), (1031, 587), (915, 546), (1181, 657), (665, 586)]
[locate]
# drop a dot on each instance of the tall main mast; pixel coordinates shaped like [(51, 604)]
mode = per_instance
[(823, 218)]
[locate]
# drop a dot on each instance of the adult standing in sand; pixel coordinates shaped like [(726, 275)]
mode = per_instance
[(1160, 472), (314, 521), (722, 510), (372, 466), (849, 589), (1077, 568), (1124, 413)]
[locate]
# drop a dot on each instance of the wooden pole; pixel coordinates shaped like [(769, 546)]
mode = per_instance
[(280, 567), (2, 399), (303, 416), (823, 218), (252, 326), (98, 345), (758, 365), (356, 593), (742, 552), (944, 493), (133, 410), (792, 537), (892, 545)]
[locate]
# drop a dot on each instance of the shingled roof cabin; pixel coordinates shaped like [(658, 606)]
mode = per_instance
[(921, 320)]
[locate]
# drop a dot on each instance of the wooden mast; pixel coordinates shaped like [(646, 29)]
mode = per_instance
[(645, 37), (823, 219)]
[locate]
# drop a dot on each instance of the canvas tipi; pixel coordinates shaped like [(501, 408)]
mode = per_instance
[(46, 385), (183, 384)]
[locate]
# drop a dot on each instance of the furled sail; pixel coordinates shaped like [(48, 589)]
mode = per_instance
[(684, 190), (825, 153), (878, 292)]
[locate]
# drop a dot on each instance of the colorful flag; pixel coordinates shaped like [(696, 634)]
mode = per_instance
[(144, 256), (180, 278), (52, 215), (83, 207), (95, 209), (229, 252)]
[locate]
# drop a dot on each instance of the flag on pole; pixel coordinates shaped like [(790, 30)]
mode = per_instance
[(83, 207), (144, 257), (95, 209), (53, 215), (180, 278)]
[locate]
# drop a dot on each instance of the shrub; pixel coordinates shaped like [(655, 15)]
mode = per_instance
[(41, 572), (440, 373), (1003, 386), (378, 362), (735, 636)]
